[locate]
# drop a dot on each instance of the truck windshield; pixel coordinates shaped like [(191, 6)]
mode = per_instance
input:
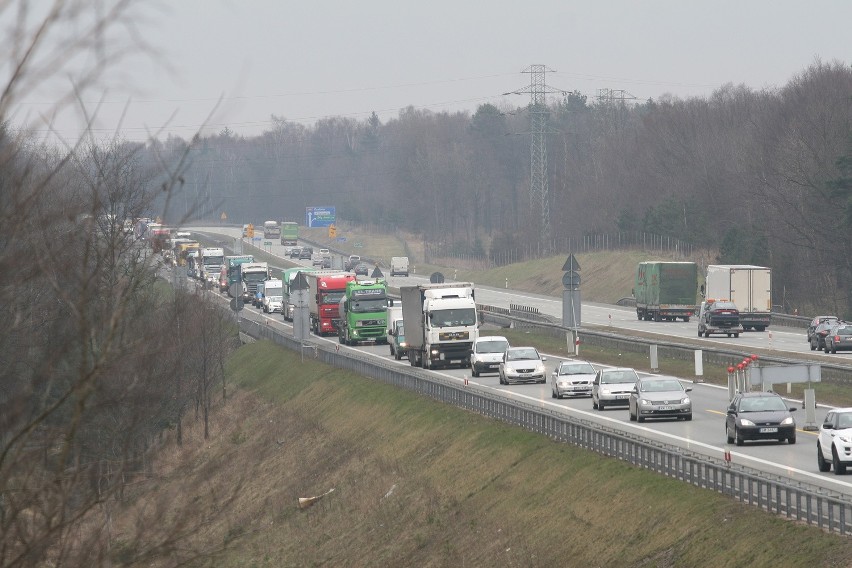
[(368, 306), (211, 260), (255, 277), (332, 297), (275, 298), (454, 317)]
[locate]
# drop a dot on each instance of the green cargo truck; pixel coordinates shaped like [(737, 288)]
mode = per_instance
[(364, 312), (665, 290), (287, 276), (289, 233)]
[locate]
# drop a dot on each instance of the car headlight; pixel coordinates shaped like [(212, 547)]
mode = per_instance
[(684, 400), (562, 383), (539, 369), (605, 391), (644, 402), (403, 344), (746, 422), (787, 421), (845, 438)]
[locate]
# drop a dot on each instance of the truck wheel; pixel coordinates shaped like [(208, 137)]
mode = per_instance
[(736, 335), (700, 333), (340, 339), (397, 356), (686, 319), (638, 315), (761, 328), (657, 316)]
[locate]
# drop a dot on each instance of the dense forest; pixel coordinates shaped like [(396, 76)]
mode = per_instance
[(762, 177)]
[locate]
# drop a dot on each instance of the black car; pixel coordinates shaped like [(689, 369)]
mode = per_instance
[(817, 339), (839, 338), (362, 269), (306, 253), (759, 416), (815, 322), (295, 252), (719, 317)]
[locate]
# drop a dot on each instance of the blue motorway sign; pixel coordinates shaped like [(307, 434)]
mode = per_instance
[(320, 216)]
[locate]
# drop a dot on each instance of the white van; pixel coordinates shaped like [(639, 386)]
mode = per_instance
[(399, 266)]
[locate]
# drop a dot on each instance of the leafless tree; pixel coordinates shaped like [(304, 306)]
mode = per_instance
[(86, 358)]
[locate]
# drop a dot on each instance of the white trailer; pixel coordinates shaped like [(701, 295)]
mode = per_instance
[(747, 286)]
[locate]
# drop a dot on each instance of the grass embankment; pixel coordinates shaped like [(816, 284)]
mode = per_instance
[(419, 483), (607, 275)]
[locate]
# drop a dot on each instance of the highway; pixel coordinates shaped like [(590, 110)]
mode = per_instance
[(704, 435)]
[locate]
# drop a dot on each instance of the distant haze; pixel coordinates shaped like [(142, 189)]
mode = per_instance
[(303, 61)]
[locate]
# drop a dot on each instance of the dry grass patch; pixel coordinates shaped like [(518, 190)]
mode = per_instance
[(418, 483)]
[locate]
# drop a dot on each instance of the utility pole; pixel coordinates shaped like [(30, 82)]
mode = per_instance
[(539, 193)]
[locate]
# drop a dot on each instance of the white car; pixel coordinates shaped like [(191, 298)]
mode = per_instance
[(487, 354), (572, 378), (522, 365), (613, 387), (834, 445)]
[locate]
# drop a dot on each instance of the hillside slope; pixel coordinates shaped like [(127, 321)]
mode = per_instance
[(418, 483), (607, 275)]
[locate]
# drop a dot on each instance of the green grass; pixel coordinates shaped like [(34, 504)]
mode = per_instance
[(420, 483)]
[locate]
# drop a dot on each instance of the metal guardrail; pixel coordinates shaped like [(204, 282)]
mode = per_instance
[(787, 497)]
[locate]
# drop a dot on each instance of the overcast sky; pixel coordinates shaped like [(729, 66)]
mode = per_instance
[(310, 59)]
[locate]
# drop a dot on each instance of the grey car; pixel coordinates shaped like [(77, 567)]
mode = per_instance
[(613, 387), (522, 365), (572, 378), (659, 397)]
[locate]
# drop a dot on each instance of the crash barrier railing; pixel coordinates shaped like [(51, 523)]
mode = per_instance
[(530, 312), (793, 499)]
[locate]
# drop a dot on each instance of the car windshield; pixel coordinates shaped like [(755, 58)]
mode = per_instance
[(521, 354), (576, 369), (844, 420), (762, 404), (661, 385), (845, 330), (724, 306), (492, 346), (610, 377)]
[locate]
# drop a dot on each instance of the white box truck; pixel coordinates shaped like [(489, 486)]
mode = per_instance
[(440, 323), (273, 296), (747, 286), (399, 266)]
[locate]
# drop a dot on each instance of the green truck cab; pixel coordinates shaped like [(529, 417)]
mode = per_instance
[(666, 290), (363, 312)]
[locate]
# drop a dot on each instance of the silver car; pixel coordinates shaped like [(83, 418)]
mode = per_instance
[(613, 386), (659, 397), (522, 365), (572, 378)]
